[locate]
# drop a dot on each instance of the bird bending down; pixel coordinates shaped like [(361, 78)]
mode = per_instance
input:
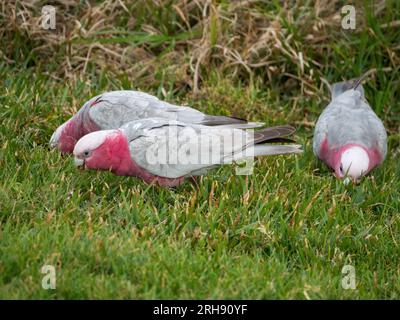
[(349, 137), (166, 152), (113, 109)]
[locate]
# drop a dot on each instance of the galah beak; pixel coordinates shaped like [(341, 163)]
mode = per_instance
[(54, 140), (347, 180), (80, 163)]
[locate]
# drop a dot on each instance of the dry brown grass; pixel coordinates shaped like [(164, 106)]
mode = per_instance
[(240, 38)]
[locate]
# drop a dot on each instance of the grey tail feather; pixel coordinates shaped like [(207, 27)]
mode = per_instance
[(359, 80), (265, 150), (272, 133), (281, 140), (210, 120), (247, 125), (273, 149), (340, 87)]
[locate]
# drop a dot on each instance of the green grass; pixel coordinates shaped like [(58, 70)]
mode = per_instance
[(284, 232)]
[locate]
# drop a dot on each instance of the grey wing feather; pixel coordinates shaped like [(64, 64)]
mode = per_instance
[(273, 134), (321, 130), (112, 109), (159, 145)]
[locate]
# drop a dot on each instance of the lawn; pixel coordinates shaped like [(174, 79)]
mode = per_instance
[(284, 232)]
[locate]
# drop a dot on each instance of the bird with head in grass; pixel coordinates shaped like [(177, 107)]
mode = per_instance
[(349, 137), (111, 110), (165, 152)]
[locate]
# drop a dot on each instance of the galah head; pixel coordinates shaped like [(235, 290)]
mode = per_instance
[(354, 164), (96, 150), (64, 137)]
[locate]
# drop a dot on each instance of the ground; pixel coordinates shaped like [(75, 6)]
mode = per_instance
[(286, 231)]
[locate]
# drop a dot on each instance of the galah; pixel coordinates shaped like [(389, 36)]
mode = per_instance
[(349, 137), (113, 109), (165, 152)]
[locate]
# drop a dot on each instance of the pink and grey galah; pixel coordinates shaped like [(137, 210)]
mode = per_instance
[(111, 110), (349, 137), (165, 152)]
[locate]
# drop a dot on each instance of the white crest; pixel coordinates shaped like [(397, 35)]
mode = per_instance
[(92, 141)]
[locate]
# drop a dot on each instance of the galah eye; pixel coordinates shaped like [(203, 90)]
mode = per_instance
[(341, 168), (86, 153)]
